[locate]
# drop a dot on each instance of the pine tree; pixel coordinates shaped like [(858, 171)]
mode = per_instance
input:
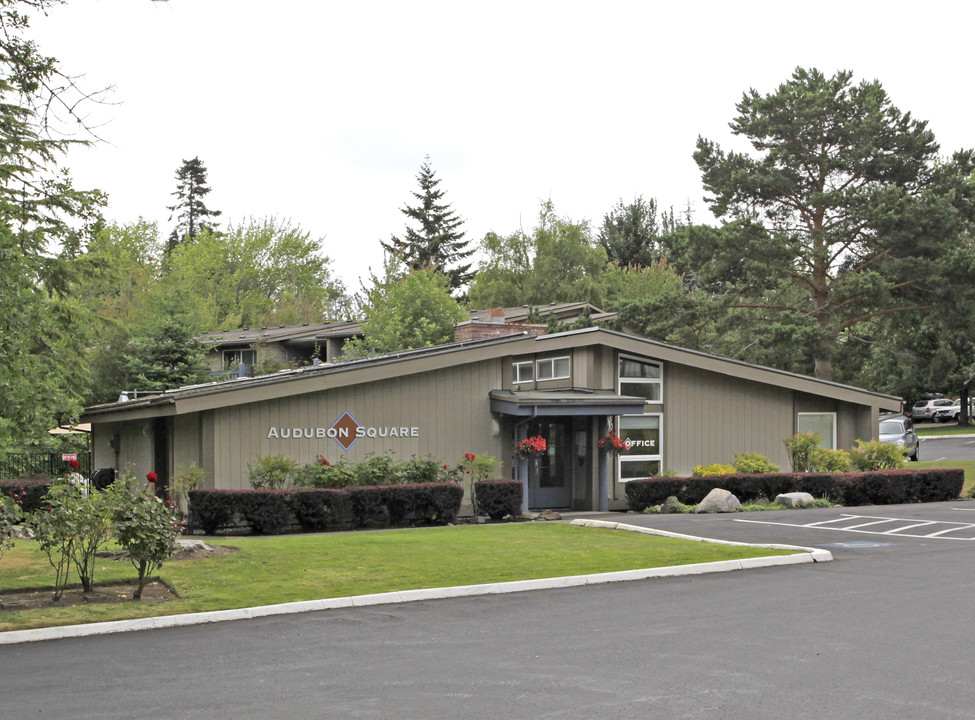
[(192, 215), (438, 244)]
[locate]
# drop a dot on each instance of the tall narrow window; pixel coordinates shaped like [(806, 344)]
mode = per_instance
[(641, 378), (642, 455)]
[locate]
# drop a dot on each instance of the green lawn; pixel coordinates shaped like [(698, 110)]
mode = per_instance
[(938, 429), (270, 570)]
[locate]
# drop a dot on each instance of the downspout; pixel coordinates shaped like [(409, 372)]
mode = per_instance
[(603, 468)]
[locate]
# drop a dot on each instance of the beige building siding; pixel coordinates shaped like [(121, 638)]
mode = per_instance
[(449, 407), (708, 418), (135, 448)]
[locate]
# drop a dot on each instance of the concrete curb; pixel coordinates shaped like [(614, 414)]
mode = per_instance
[(404, 596)]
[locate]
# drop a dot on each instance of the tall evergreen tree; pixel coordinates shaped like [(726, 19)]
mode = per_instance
[(438, 243), (854, 196), (192, 214), (630, 232)]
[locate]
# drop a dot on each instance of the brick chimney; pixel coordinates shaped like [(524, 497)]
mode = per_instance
[(479, 330)]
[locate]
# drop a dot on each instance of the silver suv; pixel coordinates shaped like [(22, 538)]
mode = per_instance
[(899, 430), (928, 409)]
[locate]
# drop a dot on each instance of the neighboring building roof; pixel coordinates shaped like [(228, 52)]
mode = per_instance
[(314, 378), (567, 312), (309, 334), (298, 335)]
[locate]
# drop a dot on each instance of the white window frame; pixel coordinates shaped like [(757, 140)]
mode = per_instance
[(516, 371), (832, 415), (659, 382), (551, 362), (645, 457), (237, 357)]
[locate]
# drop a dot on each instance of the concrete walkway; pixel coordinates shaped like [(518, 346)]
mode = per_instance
[(803, 555)]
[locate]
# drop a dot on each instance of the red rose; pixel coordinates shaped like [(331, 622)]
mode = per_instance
[(73, 464), (152, 477)]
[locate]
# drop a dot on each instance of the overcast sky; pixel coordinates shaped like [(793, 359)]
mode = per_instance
[(321, 112)]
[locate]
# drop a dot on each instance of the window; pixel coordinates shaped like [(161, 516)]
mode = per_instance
[(823, 423), (553, 368), (232, 359), (640, 378), (522, 372), (642, 456)]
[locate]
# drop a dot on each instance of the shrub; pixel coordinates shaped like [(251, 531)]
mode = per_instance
[(28, 492), (498, 498), (876, 455), (368, 508), (211, 510), (266, 511), (800, 448), (318, 510), (754, 463), (712, 470), (877, 487), (10, 515), (185, 480), (831, 461), (146, 527), (272, 472)]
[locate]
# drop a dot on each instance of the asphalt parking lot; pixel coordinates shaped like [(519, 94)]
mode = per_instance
[(883, 631)]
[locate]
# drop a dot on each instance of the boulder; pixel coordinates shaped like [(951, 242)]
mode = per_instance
[(794, 499), (549, 515), (718, 500), (670, 505)]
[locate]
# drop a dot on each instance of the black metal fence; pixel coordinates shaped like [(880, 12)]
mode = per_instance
[(25, 465)]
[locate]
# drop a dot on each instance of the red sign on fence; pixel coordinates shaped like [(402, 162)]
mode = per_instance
[(68, 457)]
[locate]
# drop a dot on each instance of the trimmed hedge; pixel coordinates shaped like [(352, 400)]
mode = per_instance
[(315, 510), (29, 491), (497, 498), (880, 487)]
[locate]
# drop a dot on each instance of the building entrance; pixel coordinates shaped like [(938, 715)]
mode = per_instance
[(550, 473)]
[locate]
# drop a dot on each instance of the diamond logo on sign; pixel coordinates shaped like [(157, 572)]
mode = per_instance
[(344, 431)]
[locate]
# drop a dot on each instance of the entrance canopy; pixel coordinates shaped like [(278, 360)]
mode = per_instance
[(564, 402)]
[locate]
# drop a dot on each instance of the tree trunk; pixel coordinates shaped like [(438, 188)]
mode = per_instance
[(824, 369), (963, 418)]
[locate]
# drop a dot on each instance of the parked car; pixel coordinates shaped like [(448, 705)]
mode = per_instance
[(944, 413), (899, 430), (925, 409)]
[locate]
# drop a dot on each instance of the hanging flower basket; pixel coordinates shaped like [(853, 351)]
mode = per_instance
[(612, 443), (530, 447)]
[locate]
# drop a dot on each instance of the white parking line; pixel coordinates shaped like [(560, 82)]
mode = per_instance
[(908, 527), (899, 531)]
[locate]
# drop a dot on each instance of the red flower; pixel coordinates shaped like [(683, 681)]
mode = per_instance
[(73, 464), (444, 467), (152, 477), (469, 456), (532, 446), (322, 461)]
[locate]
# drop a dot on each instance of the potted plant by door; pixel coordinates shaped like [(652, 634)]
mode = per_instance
[(532, 447)]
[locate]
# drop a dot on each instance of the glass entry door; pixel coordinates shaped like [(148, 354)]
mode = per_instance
[(550, 473)]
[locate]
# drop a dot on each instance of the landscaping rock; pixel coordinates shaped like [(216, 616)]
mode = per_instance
[(549, 515), (670, 505), (194, 547), (718, 500), (794, 499)]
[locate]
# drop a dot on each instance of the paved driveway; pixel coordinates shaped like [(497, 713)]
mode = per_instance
[(882, 632)]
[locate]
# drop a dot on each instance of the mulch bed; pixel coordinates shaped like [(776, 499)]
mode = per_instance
[(154, 592)]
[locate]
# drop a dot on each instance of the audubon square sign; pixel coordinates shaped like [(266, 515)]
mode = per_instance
[(345, 431)]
